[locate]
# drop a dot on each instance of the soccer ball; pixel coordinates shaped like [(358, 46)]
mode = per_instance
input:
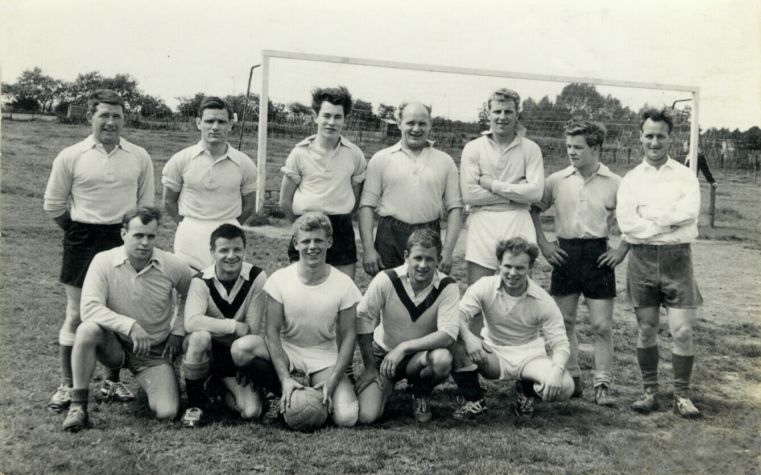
[(306, 412)]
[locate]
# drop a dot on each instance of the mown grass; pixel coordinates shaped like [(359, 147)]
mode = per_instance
[(572, 437)]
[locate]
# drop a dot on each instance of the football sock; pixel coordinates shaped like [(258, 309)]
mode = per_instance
[(195, 391), (648, 366), (66, 372), (263, 375), (682, 372), (79, 397), (113, 374), (467, 382)]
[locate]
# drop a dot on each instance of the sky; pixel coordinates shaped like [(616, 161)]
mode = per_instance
[(177, 48)]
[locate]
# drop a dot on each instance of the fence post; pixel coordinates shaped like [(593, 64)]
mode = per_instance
[(755, 167), (628, 155), (712, 207)]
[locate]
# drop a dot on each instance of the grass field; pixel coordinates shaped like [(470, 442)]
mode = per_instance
[(572, 437)]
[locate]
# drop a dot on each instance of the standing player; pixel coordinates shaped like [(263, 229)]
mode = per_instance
[(515, 309), (501, 174), (91, 186), (225, 303), (417, 308), (408, 184), (208, 184), (127, 318), (324, 173), (658, 209), (309, 305), (584, 196)]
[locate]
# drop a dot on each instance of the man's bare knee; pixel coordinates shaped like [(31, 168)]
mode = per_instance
[(440, 361), (89, 333), (199, 342), (245, 349)]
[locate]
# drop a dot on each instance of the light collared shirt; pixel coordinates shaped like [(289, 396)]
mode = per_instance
[(584, 207), (406, 316), (210, 307), (210, 188), (511, 322), (412, 189), (517, 171), (99, 186), (115, 295), (325, 181), (659, 205)]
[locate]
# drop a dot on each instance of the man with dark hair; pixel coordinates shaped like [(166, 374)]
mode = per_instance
[(225, 303), (417, 309), (408, 184), (501, 174), (658, 209), (515, 309), (127, 318), (208, 184), (584, 197), (324, 172), (91, 185)]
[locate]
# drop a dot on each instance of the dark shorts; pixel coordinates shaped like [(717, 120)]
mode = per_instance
[(344, 249), (81, 241), (662, 275), (222, 364), (137, 364), (391, 238), (580, 273), (401, 369)]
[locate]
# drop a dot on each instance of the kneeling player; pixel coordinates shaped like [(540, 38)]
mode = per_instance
[(417, 307), (515, 309), (127, 318), (225, 302), (309, 304)]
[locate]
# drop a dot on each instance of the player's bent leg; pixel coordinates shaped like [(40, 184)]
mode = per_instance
[(246, 348), (476, 271), (681, 324), (345, 405), (160, 384), (372, 400), (647, 357), (537, 370), (61, 399), (568, 305), (195, 367), (247, 402)]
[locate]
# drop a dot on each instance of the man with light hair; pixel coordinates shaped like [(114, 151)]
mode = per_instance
[(310, 326), (91, 185), (408, 184), (584, 197), (208, 184), (658, 209), (501, 174), (324, 173)]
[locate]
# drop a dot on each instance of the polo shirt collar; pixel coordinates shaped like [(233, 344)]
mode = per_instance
[(311, 138), (603, 170), (398, 147), (670, 163), (401, 271), (533, 290), (197, 150), (89, 143), (520, 131), (120, 257)]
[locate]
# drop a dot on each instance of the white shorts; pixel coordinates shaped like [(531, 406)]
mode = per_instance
[(191, 241), (309, 359), (512, 359), (486, 228)]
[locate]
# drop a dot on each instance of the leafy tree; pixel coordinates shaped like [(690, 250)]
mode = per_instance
[(35, 91), (386, 111)]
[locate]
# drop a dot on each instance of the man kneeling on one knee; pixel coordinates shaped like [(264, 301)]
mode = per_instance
[(127, 313), (417, 308), (515, 309), (225, 304)]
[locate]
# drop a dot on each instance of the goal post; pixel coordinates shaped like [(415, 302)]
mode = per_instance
[(297, 57)]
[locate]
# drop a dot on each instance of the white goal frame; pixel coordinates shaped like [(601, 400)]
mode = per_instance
[(264, 95)]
